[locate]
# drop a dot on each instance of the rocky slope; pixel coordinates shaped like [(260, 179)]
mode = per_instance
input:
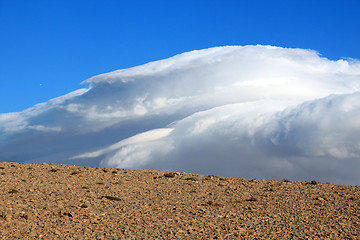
[(69, 202)]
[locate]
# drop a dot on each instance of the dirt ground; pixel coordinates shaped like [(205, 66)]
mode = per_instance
[(68, 202)]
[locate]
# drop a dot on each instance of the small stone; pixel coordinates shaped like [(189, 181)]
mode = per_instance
[(252, 199), (190, 179), (112, 198), (313, 182), (13, 191), (169, 175), (320, 199)]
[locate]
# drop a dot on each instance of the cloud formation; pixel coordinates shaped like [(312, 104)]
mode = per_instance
[(252, 111)]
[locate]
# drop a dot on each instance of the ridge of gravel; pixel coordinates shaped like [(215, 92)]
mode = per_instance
[(47, 201)]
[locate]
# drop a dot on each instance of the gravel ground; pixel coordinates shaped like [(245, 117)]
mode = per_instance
[(68, 202)]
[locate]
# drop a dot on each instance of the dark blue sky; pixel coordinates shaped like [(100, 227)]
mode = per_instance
[(48, 47)]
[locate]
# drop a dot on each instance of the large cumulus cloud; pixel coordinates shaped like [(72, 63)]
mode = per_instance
[(253, 111)]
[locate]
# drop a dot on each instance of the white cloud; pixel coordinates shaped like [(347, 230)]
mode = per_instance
[(45, 129), (253, 111), (141, 138), (258, 139)]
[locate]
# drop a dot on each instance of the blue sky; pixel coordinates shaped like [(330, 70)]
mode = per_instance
[(48, 47)]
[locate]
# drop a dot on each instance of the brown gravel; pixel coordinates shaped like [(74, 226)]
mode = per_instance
[(68, 202)]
